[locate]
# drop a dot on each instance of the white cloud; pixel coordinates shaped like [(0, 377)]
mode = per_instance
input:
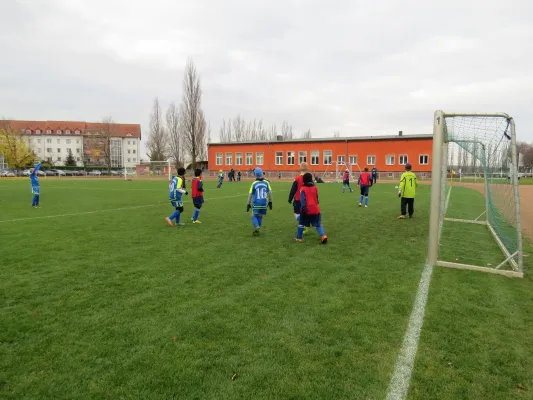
[(356, 67)]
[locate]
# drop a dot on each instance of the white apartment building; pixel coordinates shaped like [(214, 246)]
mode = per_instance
[(52, 141)]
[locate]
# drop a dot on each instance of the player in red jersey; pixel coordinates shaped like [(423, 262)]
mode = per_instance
[(364, 182), (310, 211)]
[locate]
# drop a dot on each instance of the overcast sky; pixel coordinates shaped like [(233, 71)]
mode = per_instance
[(358, 67)]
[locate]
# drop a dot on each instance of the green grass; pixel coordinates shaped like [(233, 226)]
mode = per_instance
[(100, 299)]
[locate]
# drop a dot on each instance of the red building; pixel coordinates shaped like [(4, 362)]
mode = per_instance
[(386, 153)]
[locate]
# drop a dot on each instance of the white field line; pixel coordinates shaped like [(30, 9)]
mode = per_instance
[(106, 210), (399, 383)]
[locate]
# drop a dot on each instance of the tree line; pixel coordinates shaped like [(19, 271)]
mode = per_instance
[(240, 130), (182, 132), (525, 152)]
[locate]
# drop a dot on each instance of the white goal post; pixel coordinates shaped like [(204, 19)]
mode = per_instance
[(154, 169), (476, 225)]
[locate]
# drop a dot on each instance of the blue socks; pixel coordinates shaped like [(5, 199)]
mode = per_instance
[(320, 230), (176, 215), (366, 201), (255, 221), (300, 233), (361, 199), (35, 201), (259, 219), (297, 217), (196, 214)]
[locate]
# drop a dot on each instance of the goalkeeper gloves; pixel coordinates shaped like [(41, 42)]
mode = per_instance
[(399, 194), (270, 205), (248, 206)]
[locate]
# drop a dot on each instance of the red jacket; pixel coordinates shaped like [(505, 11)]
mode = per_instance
[(196, 186), (365, 179), (296, 187), (346, 176), (310, 200)]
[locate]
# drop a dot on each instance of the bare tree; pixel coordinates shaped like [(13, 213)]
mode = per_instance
[(527, 158), (286, 131), (157, 144), (336, 134), (98, 141), (175, 140), (239, 128), (306, 134), (226, 134), (192, 116)]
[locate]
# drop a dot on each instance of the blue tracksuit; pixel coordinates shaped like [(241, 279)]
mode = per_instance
[(35, 186)]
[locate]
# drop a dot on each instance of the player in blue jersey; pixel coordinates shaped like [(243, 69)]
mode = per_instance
[(35, 186), (259, 198), (220, 179), (176, 190)]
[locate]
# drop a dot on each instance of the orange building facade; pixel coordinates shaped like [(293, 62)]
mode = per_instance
[(386, 153)]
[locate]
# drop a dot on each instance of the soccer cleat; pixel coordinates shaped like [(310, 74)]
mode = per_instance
[(324, 239), (299, 240), (196, 222), (401, 217), (169, 222), (255, 232), (180, 224), (366, 206), (360, 204)]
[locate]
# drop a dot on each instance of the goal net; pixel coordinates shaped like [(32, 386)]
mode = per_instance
[(152, 170), (475, 206), (335, 171)]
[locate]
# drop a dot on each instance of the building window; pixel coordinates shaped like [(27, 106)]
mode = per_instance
[(67, 132), (291, 156), (48, 140), (77, 159), (58, 141), (219, 159), (302, 157), (315, 157), (129, 159), (370, 160), (58, 132), (135, 150), (48, 131), (77, 150), (229, 158), (403, 159), (28, 131), (78, 141), (58, 150), (423, 159), (249, 158), (353, 160), (259, 158), (128, 142), (129, 151), (115, 153), (38, 131), (58, 158), (39, 141), (38, 150), (68, 141), (279, 158), (389, 159), (77, 132), (340, 160), (328, 157), (48, 149), (238, 158), (134, 159)]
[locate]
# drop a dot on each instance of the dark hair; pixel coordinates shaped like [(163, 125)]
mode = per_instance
[(307, 177), (181, 171), (197, 172), (366, 169)]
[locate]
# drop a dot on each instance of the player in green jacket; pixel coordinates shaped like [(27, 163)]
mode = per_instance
[(407, 191)]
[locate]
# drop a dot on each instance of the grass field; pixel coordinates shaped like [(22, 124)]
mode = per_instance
[(100, 299)]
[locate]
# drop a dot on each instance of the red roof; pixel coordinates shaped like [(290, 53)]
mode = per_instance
[(119, 130)]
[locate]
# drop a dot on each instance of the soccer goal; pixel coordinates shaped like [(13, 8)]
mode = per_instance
[(475, 222)]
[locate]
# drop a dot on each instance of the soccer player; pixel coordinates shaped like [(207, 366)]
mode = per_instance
[(197, 195), (407, 191), (295, 192), (259, 197), (35, 186), (176, 190), (220, 179), (374, 175), (346, 181), (364, 182), (310, 211), (239, 176), (279, 175)]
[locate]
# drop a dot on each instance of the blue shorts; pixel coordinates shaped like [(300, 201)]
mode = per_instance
[(297, 206), (259, 211), (346, 183), (364, 190), (36, 190), (310, 220), (197, 202), (177, 204)]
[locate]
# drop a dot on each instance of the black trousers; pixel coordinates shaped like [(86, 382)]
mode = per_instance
[(408, 204), (374, 179)]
